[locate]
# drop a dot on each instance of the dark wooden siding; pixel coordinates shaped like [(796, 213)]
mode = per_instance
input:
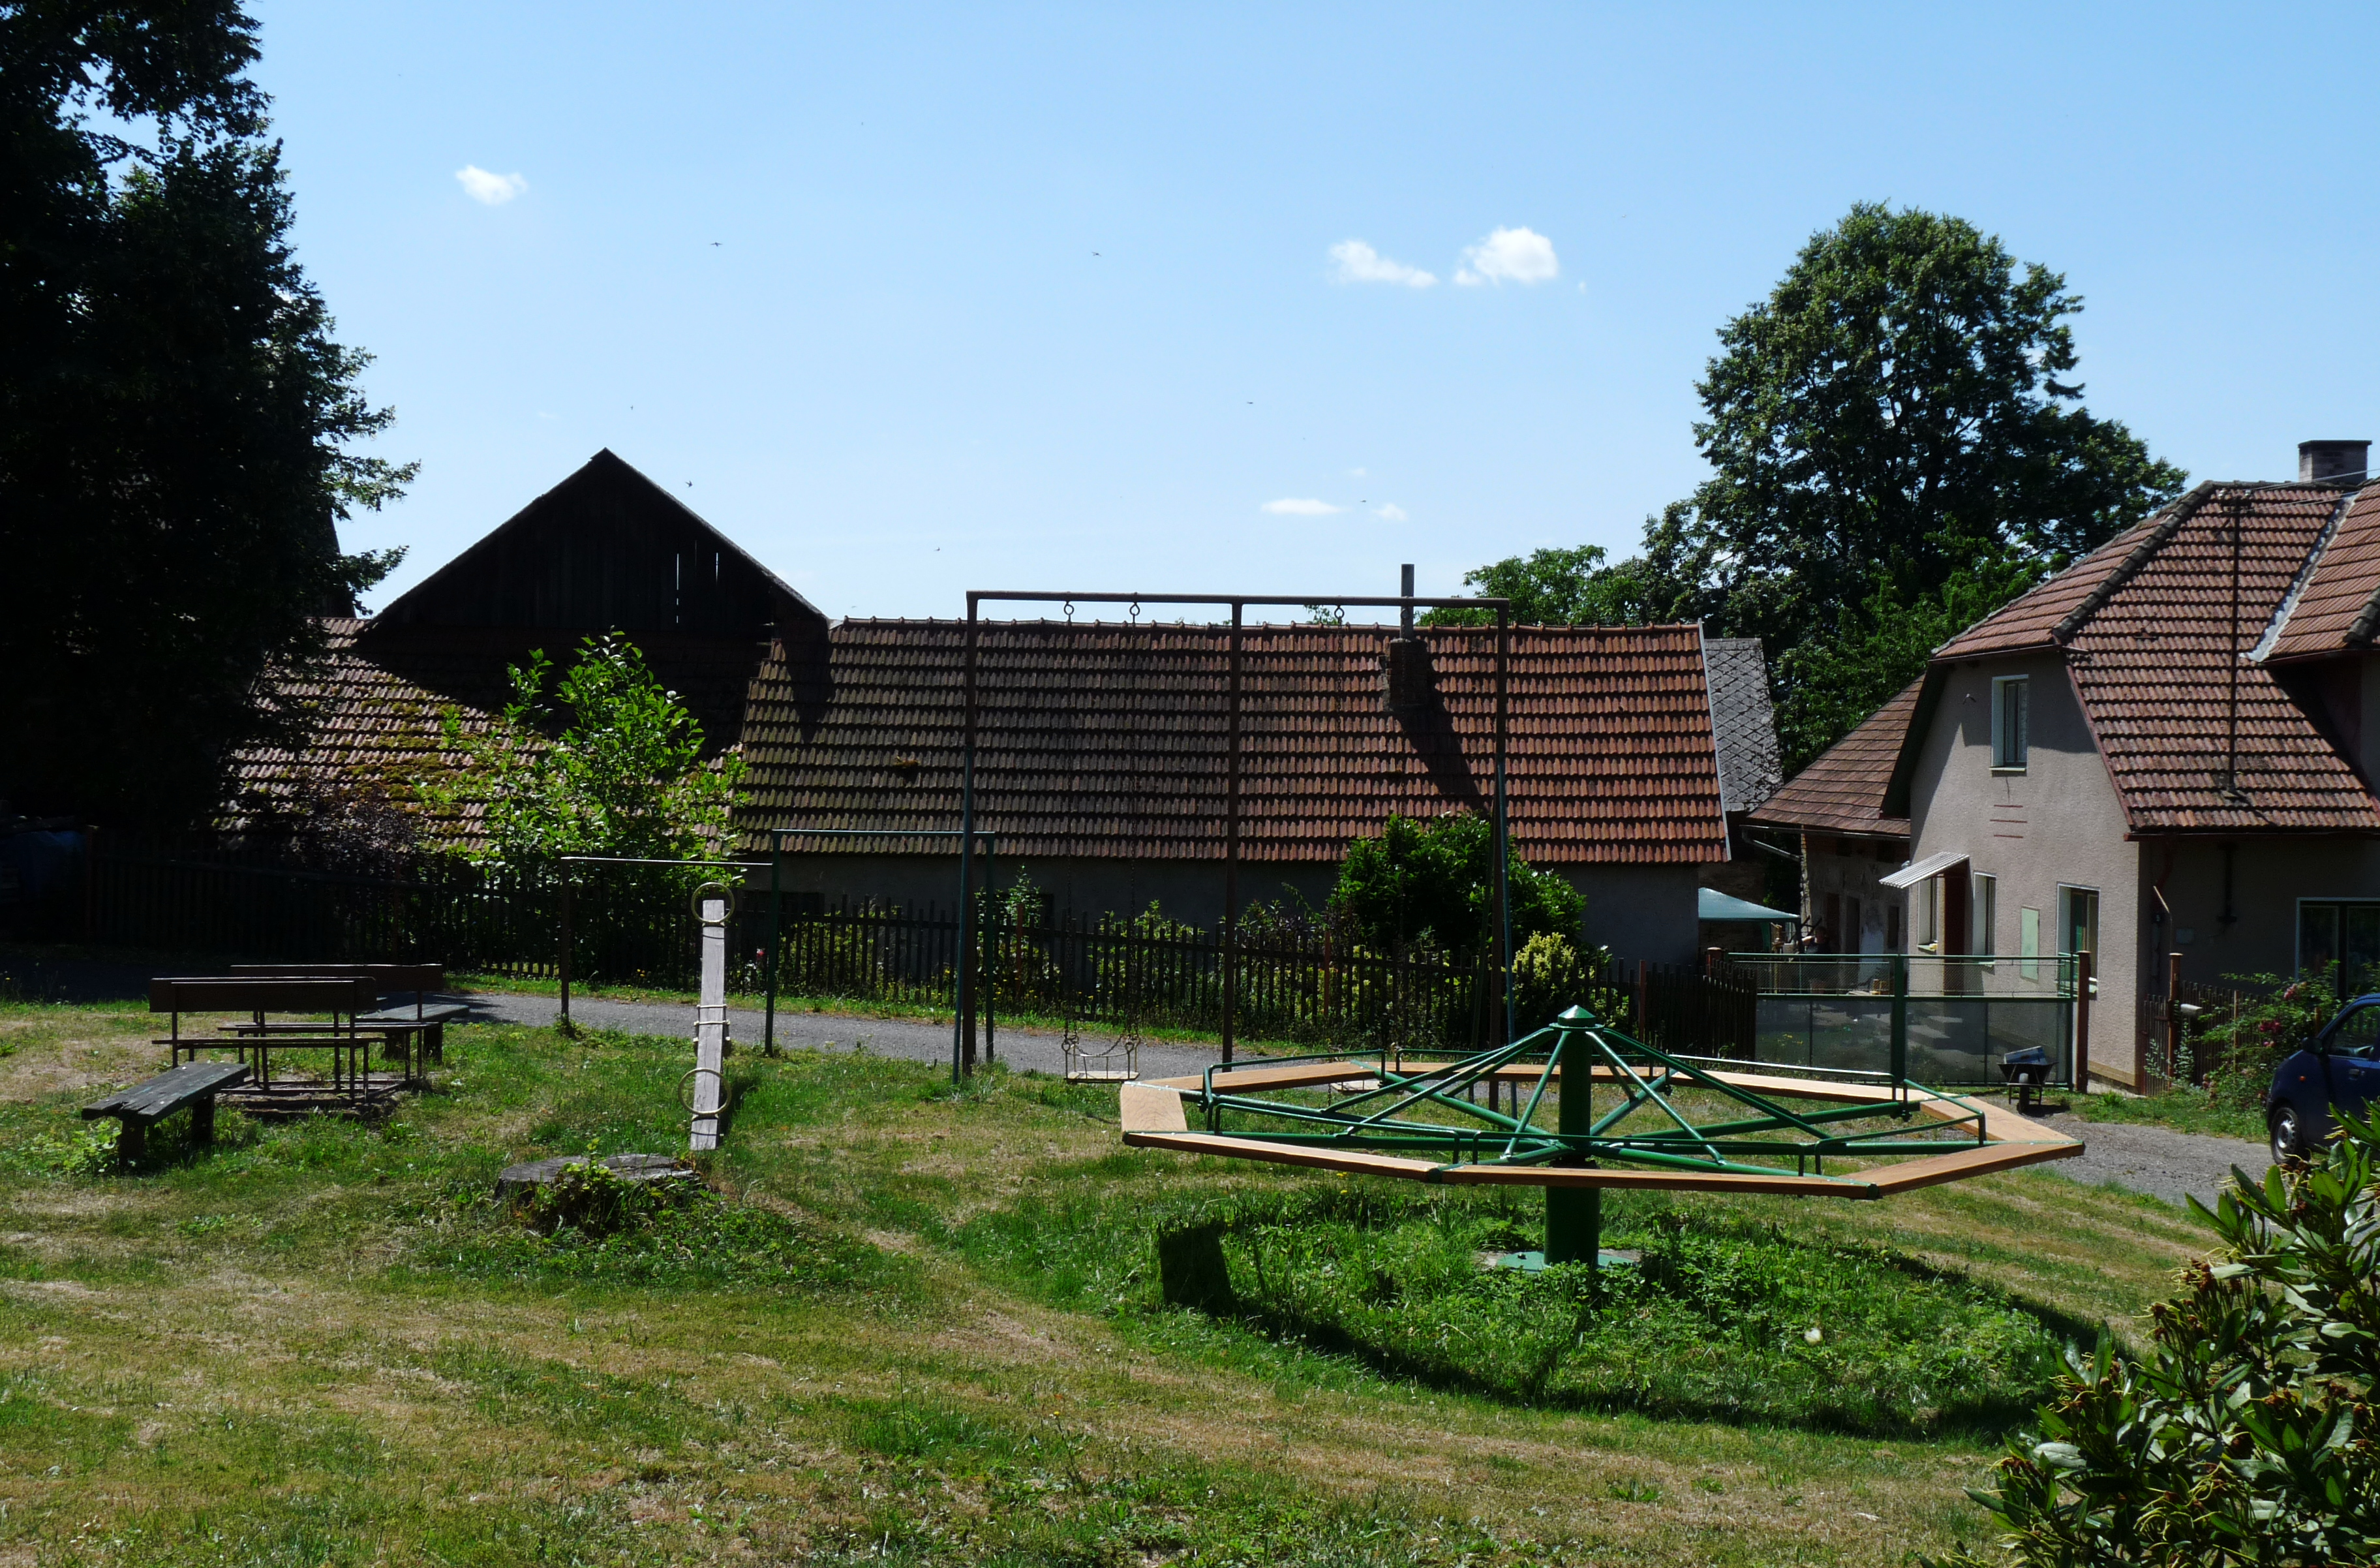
[(605, 548)]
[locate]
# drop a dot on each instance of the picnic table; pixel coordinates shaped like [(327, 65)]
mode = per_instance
[(255, 1039), (417, 1031)]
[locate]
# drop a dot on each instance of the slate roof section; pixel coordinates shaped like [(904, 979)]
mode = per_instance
[(1748, 766), (1105, 740), (378, 699), (2337, 610), (1842, 790)]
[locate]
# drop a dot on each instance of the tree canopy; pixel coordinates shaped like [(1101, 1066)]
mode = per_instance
[(1897, 447), (623, 775), (176, 418)]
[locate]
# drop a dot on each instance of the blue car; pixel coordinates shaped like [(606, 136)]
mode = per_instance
[(2338, 1067)]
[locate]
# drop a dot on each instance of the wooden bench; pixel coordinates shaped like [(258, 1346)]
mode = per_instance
[(194, 1085), (255, 1040), (421, 1030)]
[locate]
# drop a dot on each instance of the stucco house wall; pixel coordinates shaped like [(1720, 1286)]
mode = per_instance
[(2056, 824)]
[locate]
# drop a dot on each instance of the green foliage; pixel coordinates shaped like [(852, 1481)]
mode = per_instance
[(591, 1198), (624, 776), (1549, 976), (2277, 1017), (1565, 587), (1838, 677), (1435, 880), (1898, 449), (177, 448), (2245, 1436)]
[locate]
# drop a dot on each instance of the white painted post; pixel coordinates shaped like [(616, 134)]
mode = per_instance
[(711, 1025)]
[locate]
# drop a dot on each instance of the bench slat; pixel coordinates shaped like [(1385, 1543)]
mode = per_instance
[(388, 977), (169, 1092)]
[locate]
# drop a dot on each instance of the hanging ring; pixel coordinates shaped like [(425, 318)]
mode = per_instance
[(1134, 609), (686, 1099), (1069, 609), (726, 895)]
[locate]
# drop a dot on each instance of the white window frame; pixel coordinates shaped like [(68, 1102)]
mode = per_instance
[(2010, 702), (1984, 914), (2028, 943)]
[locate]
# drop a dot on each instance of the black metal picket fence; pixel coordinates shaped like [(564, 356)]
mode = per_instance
[(1303, 980)]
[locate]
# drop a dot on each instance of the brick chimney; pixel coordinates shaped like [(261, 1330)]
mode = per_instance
[(2333, 462), (1408, 680)]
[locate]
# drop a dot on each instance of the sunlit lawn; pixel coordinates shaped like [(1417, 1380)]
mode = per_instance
[(932, 1332)]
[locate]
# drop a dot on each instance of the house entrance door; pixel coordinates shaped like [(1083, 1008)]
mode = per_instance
[(2078, 926)]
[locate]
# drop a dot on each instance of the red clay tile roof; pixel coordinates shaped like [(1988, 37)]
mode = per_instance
[(1107, 741), (2154, 663), (378, 700), (2339, 606), (2145, 625), (1842, 790)]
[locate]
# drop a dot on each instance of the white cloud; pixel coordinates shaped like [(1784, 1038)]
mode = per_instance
[(1358, 263), (1513, 255), (1355, 473), (1300, 506), (492, 190), (1392, 513)]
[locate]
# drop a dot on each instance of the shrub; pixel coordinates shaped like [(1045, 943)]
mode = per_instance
[(2237, 1056), (1437, 879), (2245, 1436), (1550, 975)]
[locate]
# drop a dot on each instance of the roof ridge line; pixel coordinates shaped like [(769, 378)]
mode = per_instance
[(2178, 513), (2287, 607)]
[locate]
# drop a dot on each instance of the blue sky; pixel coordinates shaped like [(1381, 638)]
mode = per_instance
[(909, 300)]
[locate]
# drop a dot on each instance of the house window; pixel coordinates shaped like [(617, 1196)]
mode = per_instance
[(1853, 941), (2028, 943), (1986, 893), (1929, 915), (2007, 723), (2341, 934), (1892, 927)]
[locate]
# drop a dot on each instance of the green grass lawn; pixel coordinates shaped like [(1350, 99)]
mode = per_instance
[(927, 1327)]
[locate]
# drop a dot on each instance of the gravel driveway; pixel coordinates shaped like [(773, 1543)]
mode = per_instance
[(2157, 1161)]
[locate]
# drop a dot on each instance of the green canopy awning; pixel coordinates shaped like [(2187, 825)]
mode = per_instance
[(1712, 904)]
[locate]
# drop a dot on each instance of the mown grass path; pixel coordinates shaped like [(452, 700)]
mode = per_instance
[(319, 1344)]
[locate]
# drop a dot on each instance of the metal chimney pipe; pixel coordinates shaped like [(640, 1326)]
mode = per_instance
[(1405, 613)]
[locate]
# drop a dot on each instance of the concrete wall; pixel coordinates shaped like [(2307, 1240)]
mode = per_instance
[(1187, 890), (2056, 824), (1637, 911), (1640, 911)]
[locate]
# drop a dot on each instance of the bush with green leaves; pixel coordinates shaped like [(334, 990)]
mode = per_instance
[(1436, 879), (2236, 1056), (624, 775), (2245, 1436), (1550, 975)]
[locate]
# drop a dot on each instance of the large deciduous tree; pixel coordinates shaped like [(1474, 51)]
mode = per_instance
[(176, 422), (1896, 437), (1897, 447)]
